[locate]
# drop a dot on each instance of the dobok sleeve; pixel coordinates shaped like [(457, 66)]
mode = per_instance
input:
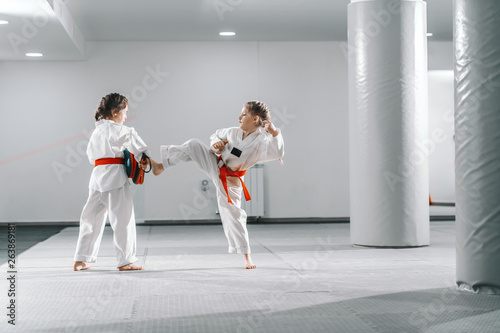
[(275, 148), (136, 145), (219, 135)]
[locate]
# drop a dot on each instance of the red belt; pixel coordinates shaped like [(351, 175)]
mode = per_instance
[(108, 160), (224, 172)]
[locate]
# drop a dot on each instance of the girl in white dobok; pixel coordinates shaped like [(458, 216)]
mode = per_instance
[(109, 187), (232, 151)]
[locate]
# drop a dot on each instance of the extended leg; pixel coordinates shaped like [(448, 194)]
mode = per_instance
[(193, 150)]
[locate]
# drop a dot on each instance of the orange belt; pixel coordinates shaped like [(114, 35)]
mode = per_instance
[(224, 172), (108, 160)]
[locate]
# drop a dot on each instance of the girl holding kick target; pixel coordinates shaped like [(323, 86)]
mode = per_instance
[(109, 188)]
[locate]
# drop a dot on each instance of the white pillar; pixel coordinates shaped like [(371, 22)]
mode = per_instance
[(477, 144), (389, 173)]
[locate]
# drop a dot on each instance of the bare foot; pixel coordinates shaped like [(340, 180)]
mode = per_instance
[(80, 266), (157, 168), (130, 267), (248, 262)]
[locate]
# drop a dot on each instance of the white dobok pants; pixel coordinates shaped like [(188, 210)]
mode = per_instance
[(234, 219), (119, 206)]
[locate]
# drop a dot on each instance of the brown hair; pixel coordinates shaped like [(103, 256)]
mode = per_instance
[(260, 109), (108, 103)]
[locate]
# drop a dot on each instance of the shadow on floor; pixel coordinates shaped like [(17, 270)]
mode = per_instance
[(433, 310), (26, 237)]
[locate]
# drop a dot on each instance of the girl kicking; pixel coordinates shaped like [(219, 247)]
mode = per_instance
[(232, 151), (109, 187)]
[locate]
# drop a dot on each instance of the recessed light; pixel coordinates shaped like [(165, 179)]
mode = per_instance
[(429, 34), (4, 22), (227, 33), (34, 54)]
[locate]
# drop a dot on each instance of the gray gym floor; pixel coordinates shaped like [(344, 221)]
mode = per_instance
[(308, 279)]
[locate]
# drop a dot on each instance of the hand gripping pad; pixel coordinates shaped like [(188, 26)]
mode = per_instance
[(132, 168)]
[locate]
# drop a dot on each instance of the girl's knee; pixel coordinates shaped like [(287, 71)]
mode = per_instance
[(197, 146), (194, 143)]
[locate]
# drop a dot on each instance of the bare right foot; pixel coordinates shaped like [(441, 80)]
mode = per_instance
[(80, 266), (157, 168), (130, 267)]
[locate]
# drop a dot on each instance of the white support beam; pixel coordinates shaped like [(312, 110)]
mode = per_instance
[(64, 16)]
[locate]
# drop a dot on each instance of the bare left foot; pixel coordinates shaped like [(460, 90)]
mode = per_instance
[(248, 262), (130, 267)]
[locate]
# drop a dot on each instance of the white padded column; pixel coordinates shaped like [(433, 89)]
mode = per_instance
[(477, 144), (389, 177)]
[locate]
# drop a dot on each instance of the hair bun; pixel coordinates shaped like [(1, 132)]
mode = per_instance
[(108, 103)]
